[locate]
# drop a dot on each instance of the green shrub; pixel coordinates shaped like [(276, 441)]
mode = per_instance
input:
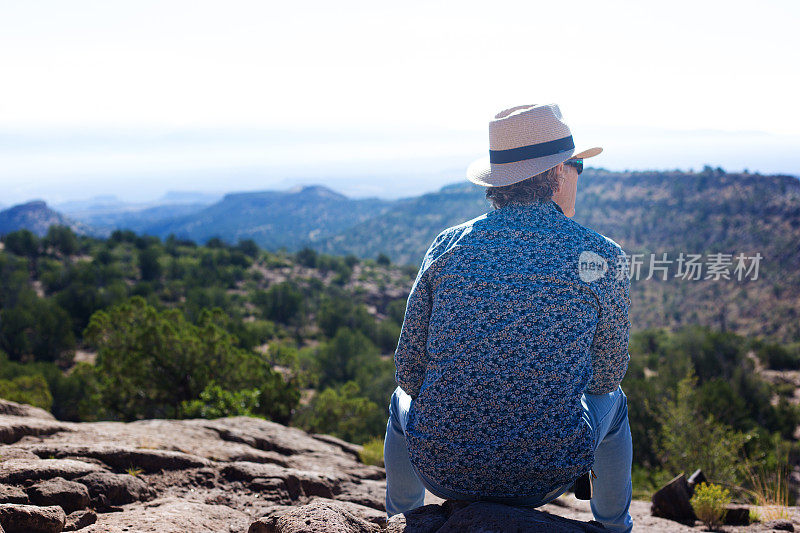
[(689, 440), (32, 390), (709, 502), (216, 402), (343, 413), (150, 362), (372, 452)]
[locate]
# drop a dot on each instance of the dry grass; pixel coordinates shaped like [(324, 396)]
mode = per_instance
[(770, 493)]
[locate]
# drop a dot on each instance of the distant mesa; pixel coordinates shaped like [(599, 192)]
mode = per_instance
[(36, 217)]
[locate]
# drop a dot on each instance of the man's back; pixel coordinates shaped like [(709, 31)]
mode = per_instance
[(502, 336)]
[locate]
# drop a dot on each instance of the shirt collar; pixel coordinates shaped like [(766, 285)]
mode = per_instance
[(528, 212)]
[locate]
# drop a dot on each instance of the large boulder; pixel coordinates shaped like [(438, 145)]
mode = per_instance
[(16, 518), (68, 495)]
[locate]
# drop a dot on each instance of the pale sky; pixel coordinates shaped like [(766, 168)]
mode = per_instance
[(136, 98)]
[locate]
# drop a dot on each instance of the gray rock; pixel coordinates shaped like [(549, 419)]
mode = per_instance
[(425, 519), (317, 516), (297, 483), (492, 517), (80, 519), (17, 471), (17, 518), (352, 449), (367, 513), (69, 495), (172, 515), (14, 428), (779, 525), (122, 458), (367, 492), (10, 408), (10, 494), (118, 489), (484, 517), (13, 452)]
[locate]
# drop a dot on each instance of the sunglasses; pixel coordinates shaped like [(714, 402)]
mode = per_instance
[(577, 163)]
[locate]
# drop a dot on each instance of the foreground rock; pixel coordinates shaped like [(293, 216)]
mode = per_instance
[(68, 495), (16, 518), (228, 475), (453, 517)]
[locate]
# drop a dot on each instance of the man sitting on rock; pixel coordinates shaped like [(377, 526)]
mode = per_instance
[(515, 341)]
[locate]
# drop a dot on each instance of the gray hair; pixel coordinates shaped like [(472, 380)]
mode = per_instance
[(538, 188)]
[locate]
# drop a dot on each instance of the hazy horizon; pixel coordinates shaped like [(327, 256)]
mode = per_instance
[(142, 166), (371, 99)]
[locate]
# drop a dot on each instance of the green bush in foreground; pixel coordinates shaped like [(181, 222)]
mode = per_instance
[(709, 502)]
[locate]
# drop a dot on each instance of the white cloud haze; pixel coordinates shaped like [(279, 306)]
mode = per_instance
[(100, 96)]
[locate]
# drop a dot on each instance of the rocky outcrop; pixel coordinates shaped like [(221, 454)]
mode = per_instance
[(228, 475), (173, 475)]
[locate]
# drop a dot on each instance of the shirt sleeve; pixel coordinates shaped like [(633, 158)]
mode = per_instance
[(411, 356), (609, 350)]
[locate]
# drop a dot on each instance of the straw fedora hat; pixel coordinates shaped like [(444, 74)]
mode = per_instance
[(524, 141)]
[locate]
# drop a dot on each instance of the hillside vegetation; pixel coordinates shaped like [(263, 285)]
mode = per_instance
[(134, 327), (649, 213)]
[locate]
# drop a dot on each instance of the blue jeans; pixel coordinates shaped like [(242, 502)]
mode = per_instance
[(606, 415)]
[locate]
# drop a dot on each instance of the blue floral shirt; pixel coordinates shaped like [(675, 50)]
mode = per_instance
[(512, 317)]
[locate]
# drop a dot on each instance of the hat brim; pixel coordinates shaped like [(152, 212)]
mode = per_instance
[(487, 174), (591, 152)]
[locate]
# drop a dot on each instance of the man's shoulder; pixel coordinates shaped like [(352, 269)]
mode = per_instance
[(448, 238), (605, 246)]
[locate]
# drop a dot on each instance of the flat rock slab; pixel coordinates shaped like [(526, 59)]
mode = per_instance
[(10, 408), (14, 428), (17, 518), (17, 471), (123, 458), (171, 515)]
